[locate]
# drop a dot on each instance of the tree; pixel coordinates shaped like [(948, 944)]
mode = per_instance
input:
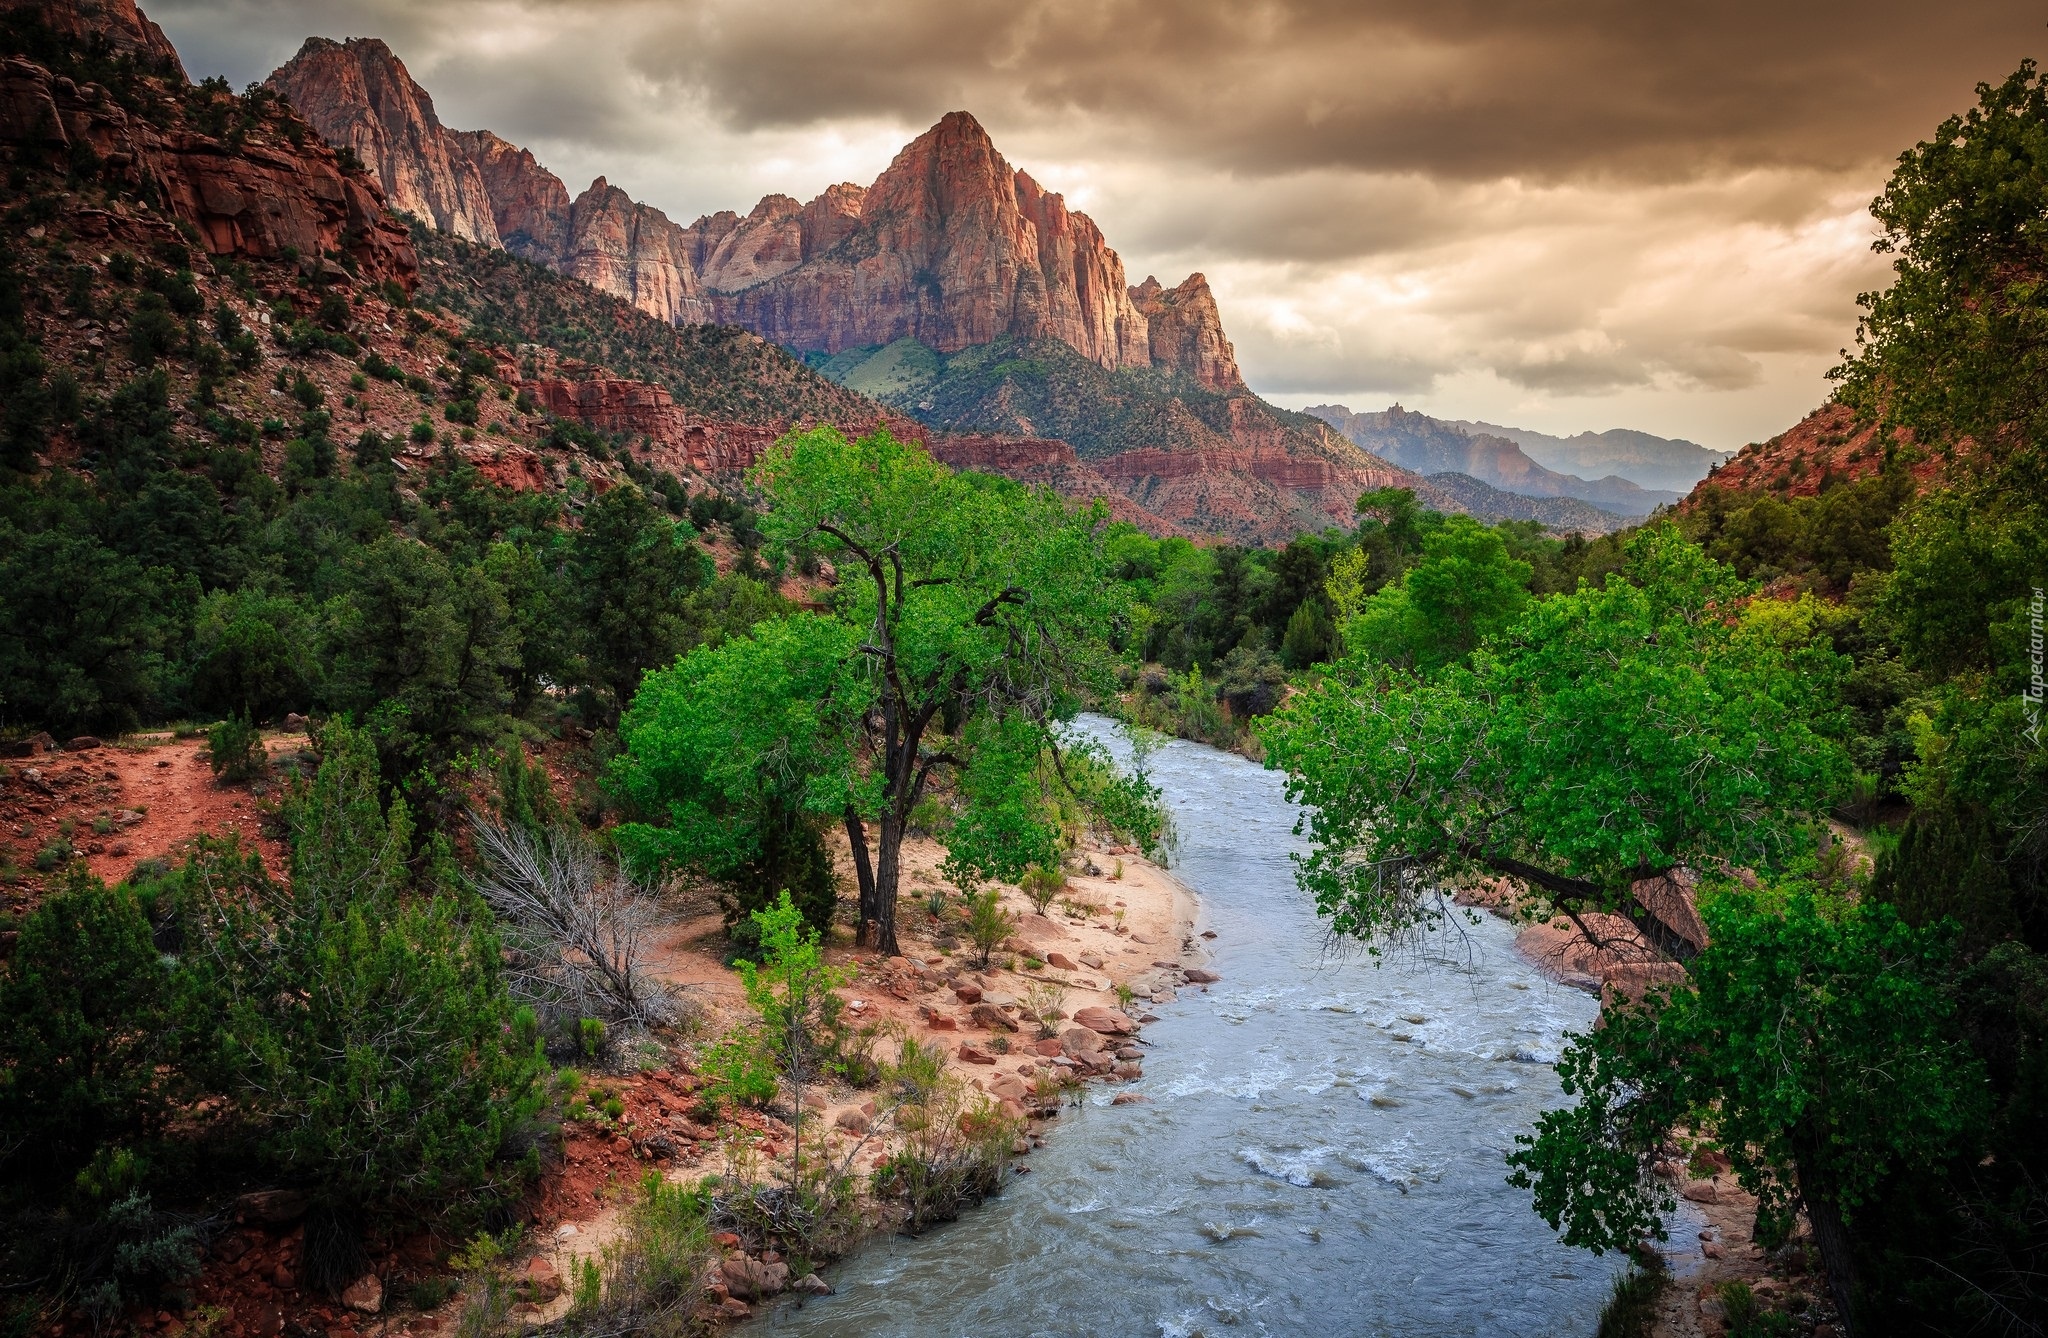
[(964, 598), (1809, 1042), (739, 753), (1466, 588), (631, 571), (85, 631), (1607, 736), (791, 991)]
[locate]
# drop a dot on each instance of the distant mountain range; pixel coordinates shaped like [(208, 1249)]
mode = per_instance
[(1621, 471), (1667, 463)]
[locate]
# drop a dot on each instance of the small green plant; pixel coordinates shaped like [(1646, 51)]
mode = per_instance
[(999, 1043), (102, 825), (1123, 995), (235, 750), (431, 1293), (1631, 1309), (1117, 874), (935, 902), (1042, 887), (988, 924), (1042, 1001), (54, 855), (590, 1036), (614, 1109), (1747, 1317), (587, 1288)]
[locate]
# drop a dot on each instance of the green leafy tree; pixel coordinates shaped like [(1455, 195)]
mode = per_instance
[(85, 631), (1810, 1042), (1608, 736), (740, 752), (962, 599), (791, 992), (1465, 589)]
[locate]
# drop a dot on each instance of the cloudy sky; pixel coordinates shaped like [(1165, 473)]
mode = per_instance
[(1558, 214)]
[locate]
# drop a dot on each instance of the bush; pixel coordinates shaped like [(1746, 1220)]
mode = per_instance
[(235, 750), (1042, 886), (988, 924)]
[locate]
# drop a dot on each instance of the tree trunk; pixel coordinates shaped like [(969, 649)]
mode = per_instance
[(857, 842), (887, 863), (1837, 1248)]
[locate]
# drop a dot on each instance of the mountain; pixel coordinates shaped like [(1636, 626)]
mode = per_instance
[(1432, 446), (1567, 514), (1665, 463), (950, 246), (126, 30)]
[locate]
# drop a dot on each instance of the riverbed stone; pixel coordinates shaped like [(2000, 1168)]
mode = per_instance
[(967, 994), (1092, 960), (1700, 1191), (1079, 1041), (1108, 1021), (1196, 975), (365, 1295), (970, 1053), (752, 1279), (1060, 960), (991, 1017)]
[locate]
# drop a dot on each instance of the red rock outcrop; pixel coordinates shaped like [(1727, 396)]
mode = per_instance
[(124, 26), (529, 204), (358, 95), (1828, 446), (254, 199), (632, 251), (953, 248), (1186, 332)]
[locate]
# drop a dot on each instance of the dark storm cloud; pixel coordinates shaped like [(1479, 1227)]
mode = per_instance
[(1634, 89)]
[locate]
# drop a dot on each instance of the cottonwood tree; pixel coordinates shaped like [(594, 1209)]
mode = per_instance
[(969, 609), (1610, 735)]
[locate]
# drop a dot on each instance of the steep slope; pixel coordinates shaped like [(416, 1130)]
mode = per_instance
[(1226, 463), (1663, 463), (126, 29), (361, 98), (1431, 446), (1827, 447)]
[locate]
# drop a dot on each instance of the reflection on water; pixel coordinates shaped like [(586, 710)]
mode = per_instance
[(1321, 1153)]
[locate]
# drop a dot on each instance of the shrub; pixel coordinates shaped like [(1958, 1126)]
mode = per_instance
[(1042, 886), (954, 1141), (235, 750), (988, 924)]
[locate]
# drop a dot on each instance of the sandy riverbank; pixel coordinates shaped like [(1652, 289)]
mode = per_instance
[(1122, 921)]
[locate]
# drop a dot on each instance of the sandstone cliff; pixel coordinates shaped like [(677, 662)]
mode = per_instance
[(259, 197), (360, 97), (125, 28), (529, 204), (1186, 332), (632, 251), (953, 248)]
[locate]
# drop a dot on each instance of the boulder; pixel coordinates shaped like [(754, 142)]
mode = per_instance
[(853, 1119), (1129, 1052), (970, 1053), (1195, 975), (1079, 1041), (84, 743), (967, 994), (1048, 1047), (539, 1280), (1092, 960), (989, 1016), (1060, 960), (752, 1279), (1127, 1071), (365, 1295), (1128, 1098), (1095, 1061), (1003, 1085), (811, 1284), (940, 1022), (1700, 1191), (1108, 1021)]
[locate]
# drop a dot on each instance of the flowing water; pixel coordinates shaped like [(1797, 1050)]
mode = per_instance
[(1321, 1152)]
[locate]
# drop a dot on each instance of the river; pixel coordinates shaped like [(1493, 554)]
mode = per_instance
[(1321, 1152)]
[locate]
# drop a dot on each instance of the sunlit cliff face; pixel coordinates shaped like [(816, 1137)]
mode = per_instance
[(1558, 215)]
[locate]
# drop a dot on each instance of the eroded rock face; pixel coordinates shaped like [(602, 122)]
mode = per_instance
[(124, 26), (1186, 332), (358, 95), (632, 251), (529, 204), (953, 248), (253, 199)]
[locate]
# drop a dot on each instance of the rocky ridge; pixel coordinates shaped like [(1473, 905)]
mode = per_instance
[(1431, 446), (950, 246)]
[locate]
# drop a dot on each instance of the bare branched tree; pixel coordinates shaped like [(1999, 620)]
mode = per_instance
[(578, 925)]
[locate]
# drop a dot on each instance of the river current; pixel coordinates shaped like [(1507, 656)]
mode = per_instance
[(1321, 1152)]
